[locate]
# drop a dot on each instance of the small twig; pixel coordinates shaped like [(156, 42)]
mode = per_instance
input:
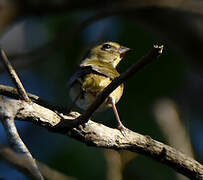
[(14, 77), (22, 164), (145, 60)]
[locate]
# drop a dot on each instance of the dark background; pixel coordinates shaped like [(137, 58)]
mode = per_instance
[(46, 40)]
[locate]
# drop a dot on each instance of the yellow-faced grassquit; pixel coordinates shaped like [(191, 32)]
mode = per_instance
[(96, 72)]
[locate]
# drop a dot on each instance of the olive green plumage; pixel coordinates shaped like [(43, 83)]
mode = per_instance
[(95, 73)]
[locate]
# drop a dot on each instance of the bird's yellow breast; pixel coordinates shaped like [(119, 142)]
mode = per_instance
[(92, 85)]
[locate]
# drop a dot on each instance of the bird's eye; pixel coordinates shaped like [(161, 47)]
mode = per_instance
[(106, 46)]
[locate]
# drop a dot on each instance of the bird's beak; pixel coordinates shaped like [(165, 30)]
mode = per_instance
[(122, 50)]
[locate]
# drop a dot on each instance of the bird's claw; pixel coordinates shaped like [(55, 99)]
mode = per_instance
[(123, 130)]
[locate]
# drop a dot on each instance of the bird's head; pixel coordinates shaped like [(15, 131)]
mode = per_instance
[(110, 52)]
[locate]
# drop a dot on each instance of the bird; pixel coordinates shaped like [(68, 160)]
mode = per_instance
[(95, 72)]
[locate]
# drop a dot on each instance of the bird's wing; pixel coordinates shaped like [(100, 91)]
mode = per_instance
[(102, 68), (107, 71), (82, 70), (96, 67)]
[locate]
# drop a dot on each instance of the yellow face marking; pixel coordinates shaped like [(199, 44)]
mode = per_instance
[(107, 52)]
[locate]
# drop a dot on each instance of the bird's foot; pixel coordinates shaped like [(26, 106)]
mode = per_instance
[(123, 130)]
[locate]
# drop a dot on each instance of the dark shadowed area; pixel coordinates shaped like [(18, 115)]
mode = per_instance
[(46, 40)]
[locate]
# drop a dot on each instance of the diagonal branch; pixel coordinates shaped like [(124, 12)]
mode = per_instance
[(98, 135), (14, 77)]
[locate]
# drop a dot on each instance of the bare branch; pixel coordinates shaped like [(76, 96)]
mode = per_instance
[(14, 77), (98, 135), (13, 93), (22, 164), (7, 115)]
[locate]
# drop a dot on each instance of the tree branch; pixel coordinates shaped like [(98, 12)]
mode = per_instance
[(98, 135), (22, 164), (14, 77), (13, 93), (7, 117)]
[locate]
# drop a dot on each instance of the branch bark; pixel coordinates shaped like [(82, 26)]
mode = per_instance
[(13, 93), (14, 77), (18, 145), (98, 135)]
